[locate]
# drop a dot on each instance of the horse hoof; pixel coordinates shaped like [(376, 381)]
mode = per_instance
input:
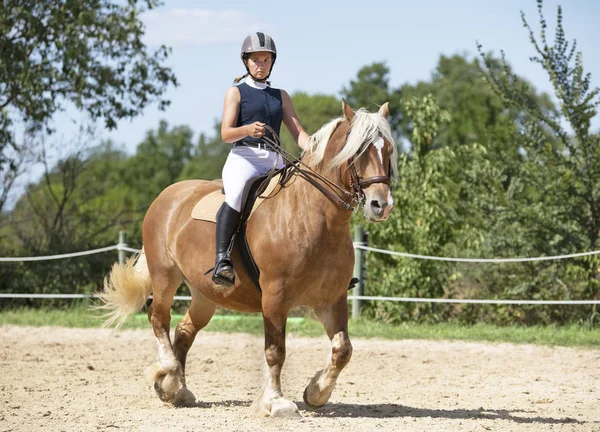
[(308, 404), (184, 398), (160, 393), (284, 408)]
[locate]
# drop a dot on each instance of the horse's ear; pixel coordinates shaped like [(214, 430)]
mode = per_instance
[(384, 111), (348, 113)]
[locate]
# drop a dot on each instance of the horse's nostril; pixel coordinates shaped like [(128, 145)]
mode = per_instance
[(378, 206)]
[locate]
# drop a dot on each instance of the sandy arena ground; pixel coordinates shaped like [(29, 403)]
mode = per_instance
[(55, 379)]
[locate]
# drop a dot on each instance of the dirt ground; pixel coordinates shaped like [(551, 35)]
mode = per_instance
[(56, 379)]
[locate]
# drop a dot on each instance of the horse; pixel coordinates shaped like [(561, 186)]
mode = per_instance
[(300, 241)]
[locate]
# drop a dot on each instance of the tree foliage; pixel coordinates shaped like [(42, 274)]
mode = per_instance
[(563, 162), (314, 111), (86, 53)]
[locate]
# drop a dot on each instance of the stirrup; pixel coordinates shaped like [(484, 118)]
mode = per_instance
[(224, 273)]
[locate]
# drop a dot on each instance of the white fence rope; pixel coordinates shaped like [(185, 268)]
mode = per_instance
[(70, 296), (441, 300), (68, 255), (124, 247), (48, 296), (373, 298), (474, 260)]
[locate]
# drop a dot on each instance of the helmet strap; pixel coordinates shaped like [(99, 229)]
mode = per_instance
[(257, 79)]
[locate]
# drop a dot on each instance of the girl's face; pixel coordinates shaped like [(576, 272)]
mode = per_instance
[(260, 64)]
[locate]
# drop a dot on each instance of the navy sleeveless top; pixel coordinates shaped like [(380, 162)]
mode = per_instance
[(264, 106)]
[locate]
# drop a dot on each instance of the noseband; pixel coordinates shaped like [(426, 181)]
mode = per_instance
[(357, 185)]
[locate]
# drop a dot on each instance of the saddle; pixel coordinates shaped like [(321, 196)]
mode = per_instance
[(255, 192)]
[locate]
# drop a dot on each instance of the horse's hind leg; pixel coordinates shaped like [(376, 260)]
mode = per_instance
[(169, 380), (197, 316), (335, 320)]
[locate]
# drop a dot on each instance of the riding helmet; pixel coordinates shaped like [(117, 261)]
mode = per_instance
[(258, 42)]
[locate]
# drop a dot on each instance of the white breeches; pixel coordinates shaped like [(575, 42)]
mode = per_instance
[(242, 164)]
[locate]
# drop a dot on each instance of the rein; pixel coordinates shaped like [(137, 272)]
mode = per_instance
[(335, 193)]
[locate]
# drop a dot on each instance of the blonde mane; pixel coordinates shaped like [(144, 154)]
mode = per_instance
[(364, 128)]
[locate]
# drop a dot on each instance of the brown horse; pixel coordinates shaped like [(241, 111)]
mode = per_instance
[(300, 241)]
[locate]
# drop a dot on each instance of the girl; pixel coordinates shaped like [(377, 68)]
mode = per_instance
[(250, 105)]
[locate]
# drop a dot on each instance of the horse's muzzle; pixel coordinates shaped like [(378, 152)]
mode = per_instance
[(378, 209)]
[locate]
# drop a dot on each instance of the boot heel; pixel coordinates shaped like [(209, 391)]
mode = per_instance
[(223, 274)]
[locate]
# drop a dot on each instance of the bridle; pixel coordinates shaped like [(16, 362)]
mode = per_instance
[(348, 200), (357, 185)]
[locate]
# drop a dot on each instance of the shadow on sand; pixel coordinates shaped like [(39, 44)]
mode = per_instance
[(395, 410), (225, 403)]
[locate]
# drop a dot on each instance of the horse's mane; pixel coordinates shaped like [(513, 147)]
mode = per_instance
[(364, 128)]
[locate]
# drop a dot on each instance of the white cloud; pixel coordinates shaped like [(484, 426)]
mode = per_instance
[(191, 26)]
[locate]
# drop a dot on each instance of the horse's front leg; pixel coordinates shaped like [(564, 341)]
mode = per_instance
[(270, 401), (335, 320)]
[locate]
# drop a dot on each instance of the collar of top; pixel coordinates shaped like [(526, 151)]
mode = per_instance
[(256, 84)]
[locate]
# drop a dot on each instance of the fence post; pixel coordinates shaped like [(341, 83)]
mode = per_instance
[(122, 243), (360, 238)]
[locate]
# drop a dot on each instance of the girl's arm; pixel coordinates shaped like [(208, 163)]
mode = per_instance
[(291, 121)]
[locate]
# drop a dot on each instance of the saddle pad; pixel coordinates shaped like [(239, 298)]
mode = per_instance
[(206, 209)]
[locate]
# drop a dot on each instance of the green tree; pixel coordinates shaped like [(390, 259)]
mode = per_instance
[(208, 159), (425, 221), (313, 111), (88, 53), (502, 207), (371, 89), (22, 158), (75, 203), (159, 161), (79, 204), (567, 173), (478, 113)]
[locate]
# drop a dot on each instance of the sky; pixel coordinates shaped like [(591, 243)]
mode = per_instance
[(323, 44)]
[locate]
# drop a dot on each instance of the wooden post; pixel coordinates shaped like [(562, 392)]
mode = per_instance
[(122, 243), (359, 262)]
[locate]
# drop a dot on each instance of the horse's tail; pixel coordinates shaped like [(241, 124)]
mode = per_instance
[(126, 290)]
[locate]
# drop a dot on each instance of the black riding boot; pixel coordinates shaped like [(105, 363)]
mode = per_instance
[(227, 220)]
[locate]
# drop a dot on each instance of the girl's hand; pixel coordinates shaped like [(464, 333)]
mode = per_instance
[(256, 130)]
